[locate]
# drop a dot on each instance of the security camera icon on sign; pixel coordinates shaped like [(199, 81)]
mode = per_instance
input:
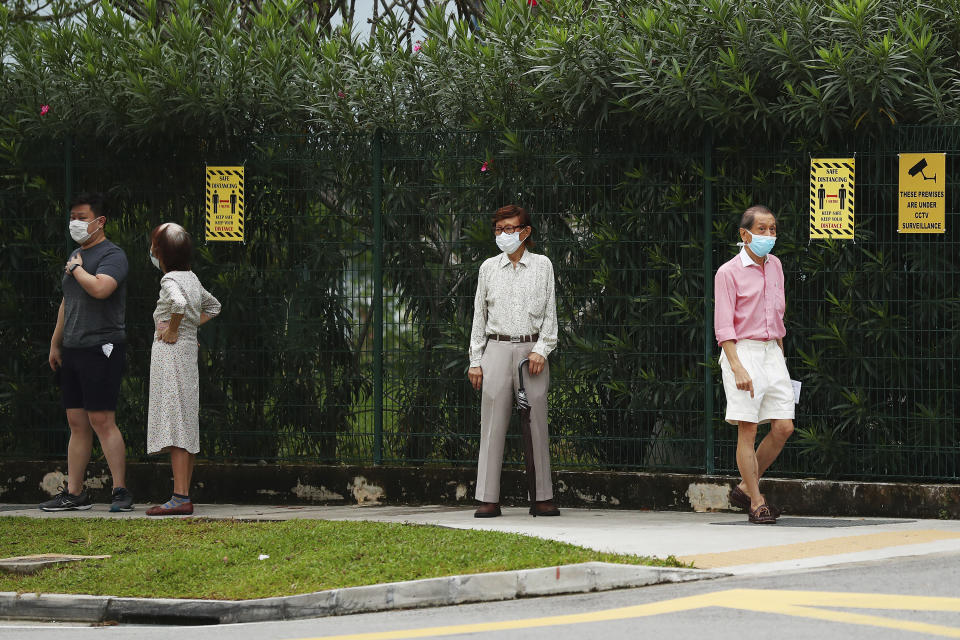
[(918, 168)]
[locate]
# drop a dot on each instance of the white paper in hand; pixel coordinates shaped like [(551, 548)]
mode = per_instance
[(107, 349), (796, 391)]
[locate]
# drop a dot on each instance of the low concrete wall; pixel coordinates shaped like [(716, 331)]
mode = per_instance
[(25, 482)]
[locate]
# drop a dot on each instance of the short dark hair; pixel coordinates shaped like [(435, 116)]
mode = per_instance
[(94, 199), (174, 246), (747, 220), (514, 211)]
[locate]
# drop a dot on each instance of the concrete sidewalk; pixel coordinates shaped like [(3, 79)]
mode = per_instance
[(709, 540), (718, 544)]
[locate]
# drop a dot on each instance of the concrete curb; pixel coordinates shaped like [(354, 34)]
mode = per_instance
[(27, 565), (432, 592)]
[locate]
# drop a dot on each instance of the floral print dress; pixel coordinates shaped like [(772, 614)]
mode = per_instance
[(174, 416)]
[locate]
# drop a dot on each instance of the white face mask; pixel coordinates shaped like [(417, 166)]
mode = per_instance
[(78, 231), (154, 260), (509, 242)]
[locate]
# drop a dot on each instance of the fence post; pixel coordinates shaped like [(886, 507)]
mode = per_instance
[(708, 338), (377, 197), (68, 182)]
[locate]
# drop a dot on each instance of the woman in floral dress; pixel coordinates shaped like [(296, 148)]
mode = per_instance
[(173, 424)]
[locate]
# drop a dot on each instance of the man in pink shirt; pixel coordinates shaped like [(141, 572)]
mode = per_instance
[(748, 320)]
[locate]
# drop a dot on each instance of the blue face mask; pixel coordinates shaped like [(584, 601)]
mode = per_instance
[(762, 245)]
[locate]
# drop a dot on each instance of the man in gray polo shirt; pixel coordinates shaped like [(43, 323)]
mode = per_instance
[(88, 352)]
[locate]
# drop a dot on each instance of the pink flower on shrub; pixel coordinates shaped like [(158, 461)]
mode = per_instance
[(484, 167), (44, 109), (418, 46), (532, 3), (341, 94)]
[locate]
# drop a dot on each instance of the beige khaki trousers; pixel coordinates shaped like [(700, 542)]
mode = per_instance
[(499, 364)]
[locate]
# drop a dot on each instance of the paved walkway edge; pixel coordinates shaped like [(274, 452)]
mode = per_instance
[(432, 592)]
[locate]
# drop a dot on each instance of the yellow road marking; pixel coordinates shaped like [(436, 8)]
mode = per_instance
[(817, 548), (637, 611), (801, 604)]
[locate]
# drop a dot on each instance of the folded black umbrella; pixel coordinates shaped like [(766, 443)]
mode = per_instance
[(523, 406)]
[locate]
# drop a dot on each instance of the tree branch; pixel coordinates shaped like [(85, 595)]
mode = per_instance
[(22, 15)]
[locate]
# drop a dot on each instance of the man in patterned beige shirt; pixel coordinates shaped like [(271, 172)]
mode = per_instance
[(514, 317)]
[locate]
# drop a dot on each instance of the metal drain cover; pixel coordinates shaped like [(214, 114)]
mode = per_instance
[(827, 523)]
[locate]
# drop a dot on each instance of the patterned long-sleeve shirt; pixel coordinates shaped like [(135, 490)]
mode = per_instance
[(515, 301), (181, 292)]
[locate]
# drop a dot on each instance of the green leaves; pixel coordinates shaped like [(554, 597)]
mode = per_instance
[(745, 68)]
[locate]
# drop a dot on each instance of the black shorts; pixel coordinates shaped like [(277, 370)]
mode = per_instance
[(90, 380)]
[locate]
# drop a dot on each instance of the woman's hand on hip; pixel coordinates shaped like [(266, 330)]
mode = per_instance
[(536, 364), (169, 335), (476, 377)]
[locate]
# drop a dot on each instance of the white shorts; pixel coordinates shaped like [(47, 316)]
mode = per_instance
[(772, 391)]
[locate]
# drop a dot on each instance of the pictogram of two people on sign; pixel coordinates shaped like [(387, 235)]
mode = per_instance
[(841, 194), (233, 201)]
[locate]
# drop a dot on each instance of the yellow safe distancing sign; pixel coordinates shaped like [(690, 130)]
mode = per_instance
[(224, 204), (831, 198)]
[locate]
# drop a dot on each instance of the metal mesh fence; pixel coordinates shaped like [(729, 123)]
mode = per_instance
[(612, 219), (870, 323), (304, 365)]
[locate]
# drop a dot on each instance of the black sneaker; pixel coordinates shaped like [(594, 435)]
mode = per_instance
[(121, 500), (65, 501)]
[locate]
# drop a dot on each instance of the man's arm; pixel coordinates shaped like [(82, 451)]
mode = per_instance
[(111, 271), (100, 286), (56, 342), (548, 329), (725, 301), (478, 336), (724, 306), (740, 375)]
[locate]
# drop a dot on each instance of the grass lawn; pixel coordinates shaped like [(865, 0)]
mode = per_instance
[(198, 558)]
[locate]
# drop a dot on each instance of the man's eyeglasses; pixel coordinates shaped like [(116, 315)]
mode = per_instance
[(509, 229)]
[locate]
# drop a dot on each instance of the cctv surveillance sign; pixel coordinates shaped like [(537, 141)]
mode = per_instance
[(923, 197)]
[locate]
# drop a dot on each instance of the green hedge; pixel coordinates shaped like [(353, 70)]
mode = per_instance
[(777, 69)]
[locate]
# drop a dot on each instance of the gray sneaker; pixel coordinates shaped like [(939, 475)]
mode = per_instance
[(65, 501), (121, 500)]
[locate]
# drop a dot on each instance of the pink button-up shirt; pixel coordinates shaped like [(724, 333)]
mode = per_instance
[(749, 300)]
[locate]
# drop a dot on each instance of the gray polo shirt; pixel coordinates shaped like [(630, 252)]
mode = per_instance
[(87, 321)]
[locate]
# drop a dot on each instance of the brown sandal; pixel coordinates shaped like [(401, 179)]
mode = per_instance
[(739, 498), (762, 515)]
